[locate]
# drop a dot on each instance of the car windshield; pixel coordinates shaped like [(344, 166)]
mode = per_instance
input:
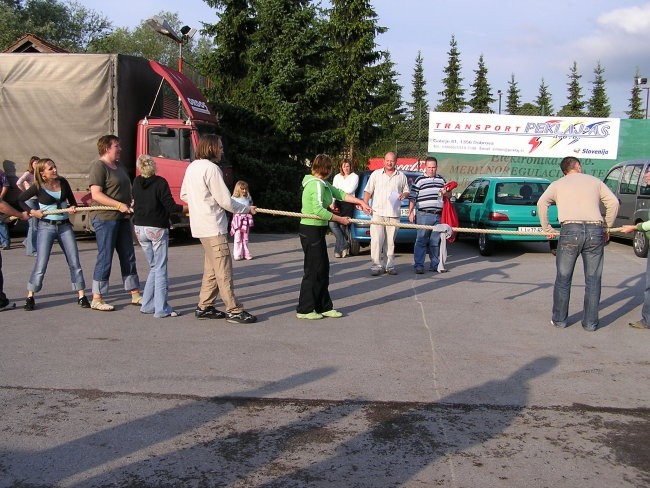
[(519, 192)]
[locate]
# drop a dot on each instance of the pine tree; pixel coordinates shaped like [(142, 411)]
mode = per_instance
[(575, 105), (287, 76), (453, 93), (543, 100), (418, 113), (358, 71), (227, 63), (598, 105), (514, 99), (481, 95), (390, 117), (636, 105)]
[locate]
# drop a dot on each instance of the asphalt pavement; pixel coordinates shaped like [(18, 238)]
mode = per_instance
[(454, 379)]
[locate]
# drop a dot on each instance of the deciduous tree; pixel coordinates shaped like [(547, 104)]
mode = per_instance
[(69, 25)]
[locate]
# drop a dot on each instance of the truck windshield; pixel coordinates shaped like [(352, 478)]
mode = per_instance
[(170, 143)]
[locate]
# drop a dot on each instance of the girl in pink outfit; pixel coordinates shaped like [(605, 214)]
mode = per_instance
[(241, 223)]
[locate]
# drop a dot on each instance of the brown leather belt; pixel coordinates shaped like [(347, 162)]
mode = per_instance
[(587, 222)]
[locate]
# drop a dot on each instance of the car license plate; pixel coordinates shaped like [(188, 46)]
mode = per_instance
[(530, 229), (404, 212)]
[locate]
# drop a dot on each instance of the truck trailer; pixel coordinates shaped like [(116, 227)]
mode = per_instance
[(58, 105)]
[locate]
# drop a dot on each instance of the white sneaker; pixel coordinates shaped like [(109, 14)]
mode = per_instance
[(345, 253), (337, 255)]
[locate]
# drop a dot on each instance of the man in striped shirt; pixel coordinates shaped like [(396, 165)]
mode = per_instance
[(425, 208)]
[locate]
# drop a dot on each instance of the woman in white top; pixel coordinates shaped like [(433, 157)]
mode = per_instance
[(24, 182), (347, 181)]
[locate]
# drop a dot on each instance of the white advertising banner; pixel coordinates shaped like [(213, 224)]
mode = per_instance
[(522, 135)]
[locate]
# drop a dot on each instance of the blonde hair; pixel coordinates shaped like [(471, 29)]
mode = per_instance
[(146, 165), (239, 186), (39, 167)]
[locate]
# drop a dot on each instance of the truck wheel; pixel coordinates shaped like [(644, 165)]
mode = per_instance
[(640, 244), (355, 247), (485, 245)]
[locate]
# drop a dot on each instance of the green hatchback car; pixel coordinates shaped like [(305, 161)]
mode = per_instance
[(504, 203)]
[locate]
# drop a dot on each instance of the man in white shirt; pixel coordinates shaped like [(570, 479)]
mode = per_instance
[(387, 187)]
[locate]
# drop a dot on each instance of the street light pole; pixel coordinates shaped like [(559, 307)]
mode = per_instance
[(499, 92)]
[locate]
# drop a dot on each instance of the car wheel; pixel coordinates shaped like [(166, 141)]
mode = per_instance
[(485, 245), (355, 247), (640, 244)]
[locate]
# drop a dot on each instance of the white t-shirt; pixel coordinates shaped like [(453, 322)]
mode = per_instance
[(347, 184)]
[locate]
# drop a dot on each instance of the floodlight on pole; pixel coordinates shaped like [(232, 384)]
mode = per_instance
[(161, 26), (500, 93)]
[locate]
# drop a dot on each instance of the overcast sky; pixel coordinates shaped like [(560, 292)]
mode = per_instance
[(532, 40)]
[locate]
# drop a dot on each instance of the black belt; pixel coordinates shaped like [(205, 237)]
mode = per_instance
[(435, 212), (55, 222)]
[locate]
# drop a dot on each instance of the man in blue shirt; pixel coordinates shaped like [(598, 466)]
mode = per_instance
[(425, 208)]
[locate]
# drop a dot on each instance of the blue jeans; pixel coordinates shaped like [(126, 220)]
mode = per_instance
[(46, 234), (587, 240), (645, 311), (114, 235), (154, 242), (427, 239), (4, 235), (341, 233)]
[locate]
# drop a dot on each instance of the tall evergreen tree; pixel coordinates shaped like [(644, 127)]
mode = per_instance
[(418, 111), (543, 100), (453, 94), (575, 104), (273, 106), (390, 115), (482, 93), (598, 105), (287, 81), (228, 62), (513, 102), (419, 105), (635, 106), (359, 70)]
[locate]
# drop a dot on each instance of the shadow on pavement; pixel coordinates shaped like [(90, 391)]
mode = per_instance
[(234, 442)]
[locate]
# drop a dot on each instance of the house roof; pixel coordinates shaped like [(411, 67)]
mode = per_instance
[(31, 43)]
